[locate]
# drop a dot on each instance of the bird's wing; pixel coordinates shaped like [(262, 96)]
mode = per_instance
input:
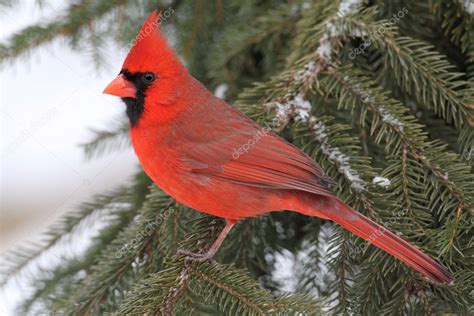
[(253, 156)]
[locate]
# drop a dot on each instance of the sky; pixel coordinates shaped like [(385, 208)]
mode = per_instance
[(49, 101)]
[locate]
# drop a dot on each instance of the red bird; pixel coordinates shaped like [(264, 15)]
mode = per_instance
[(185, 139)]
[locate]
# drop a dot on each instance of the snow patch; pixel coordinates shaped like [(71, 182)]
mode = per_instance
[(295, 106), (325, 48), (381, 181), (357, 32), (282, 111), (389, 118), (306, 72), (335, 154), (289, 268), (302, 108), (306, 5), (283, 274), (347, 6), (221, 90), (468, 6)]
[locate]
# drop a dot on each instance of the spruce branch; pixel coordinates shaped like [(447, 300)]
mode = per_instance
[(242, 36), (310, 27), (106, 141), (456, 17), (428, 154), (172, 278), (312, 261), (429, 77), (224, 286), (18, 259), (119, 256), (54, 282), (389, 113), (150, 294), (238, 294), (77, 18), (419, 69), (343, 264)]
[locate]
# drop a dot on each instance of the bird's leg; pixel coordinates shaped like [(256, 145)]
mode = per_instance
[(200, 257)]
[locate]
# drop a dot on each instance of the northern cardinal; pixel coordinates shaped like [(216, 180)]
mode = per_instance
[(186, 138)]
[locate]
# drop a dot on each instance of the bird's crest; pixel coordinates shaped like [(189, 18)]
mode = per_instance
[(150, 49)]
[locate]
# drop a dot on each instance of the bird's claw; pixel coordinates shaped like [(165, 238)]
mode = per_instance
[(192, 256)]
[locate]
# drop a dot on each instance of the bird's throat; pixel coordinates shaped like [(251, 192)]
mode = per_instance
[(135, 108)]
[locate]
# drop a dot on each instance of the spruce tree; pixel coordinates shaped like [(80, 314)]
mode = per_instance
[(379, 92)]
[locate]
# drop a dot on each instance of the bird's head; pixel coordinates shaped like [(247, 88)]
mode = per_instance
[(150, 74)]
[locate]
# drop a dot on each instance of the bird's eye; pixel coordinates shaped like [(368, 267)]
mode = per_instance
[(148, 77)]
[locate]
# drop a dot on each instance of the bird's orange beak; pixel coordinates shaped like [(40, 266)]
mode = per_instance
[(121, 87)]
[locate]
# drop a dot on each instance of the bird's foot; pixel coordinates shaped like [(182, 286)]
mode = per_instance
[(199, 257)]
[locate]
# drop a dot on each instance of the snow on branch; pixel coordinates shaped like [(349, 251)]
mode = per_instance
[(290, 107), (348, 6), (381, 181), (328, 42), (335, 155), (296, 107), (365, 96), (468, 6), (390, 119)]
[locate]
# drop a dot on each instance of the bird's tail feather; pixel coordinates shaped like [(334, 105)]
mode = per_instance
[(391, 243)]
